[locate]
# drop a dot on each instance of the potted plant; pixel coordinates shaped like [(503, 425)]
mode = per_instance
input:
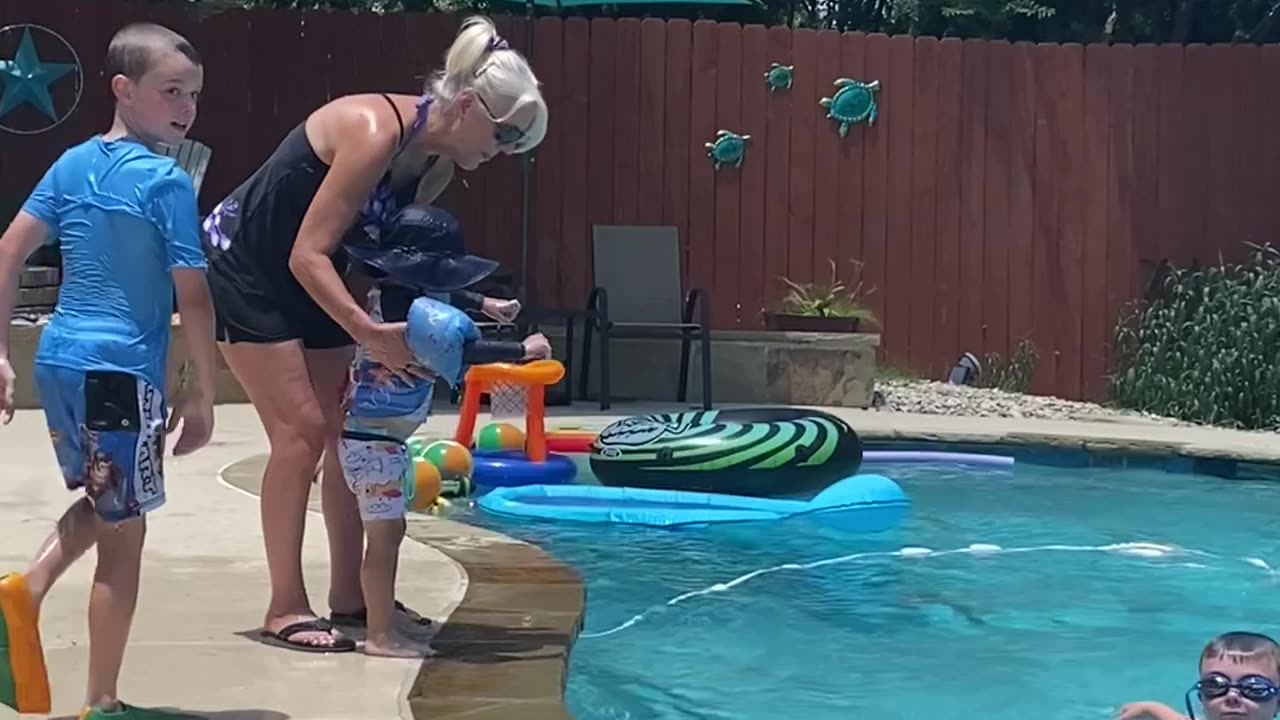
[(828, 306)]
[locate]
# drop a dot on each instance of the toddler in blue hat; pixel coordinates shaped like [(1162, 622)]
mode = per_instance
[(420, 275)]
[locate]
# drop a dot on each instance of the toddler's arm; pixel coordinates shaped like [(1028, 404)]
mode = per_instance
[(1146, 710)]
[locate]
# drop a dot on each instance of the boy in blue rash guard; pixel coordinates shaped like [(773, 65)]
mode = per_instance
[(421, 254), (126, 221)]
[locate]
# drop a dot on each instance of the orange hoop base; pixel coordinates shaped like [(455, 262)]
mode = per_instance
[(534, 376)]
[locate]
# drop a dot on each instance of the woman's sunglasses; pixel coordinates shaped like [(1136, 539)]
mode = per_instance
[(1215, 685), (506, 134)]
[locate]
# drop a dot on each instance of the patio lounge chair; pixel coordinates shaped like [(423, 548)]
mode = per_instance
[(636, 293), (192, 156)]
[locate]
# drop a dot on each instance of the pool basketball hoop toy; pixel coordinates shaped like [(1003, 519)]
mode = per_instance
[(503, 454)]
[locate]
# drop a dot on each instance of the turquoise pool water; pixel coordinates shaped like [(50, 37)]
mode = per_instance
[(1086, 589)]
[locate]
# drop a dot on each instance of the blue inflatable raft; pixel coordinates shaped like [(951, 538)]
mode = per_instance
[(860, 503)]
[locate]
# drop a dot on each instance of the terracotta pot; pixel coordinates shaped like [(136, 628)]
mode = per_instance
[(810, 323)]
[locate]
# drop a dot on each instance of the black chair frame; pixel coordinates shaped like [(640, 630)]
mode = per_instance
[(687, 330)]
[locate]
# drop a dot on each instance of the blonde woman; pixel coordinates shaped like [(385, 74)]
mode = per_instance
[(286, 321)]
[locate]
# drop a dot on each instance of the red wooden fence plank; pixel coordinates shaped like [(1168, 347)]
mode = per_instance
[(924, 204), (226, 117), (677, 143), (1200, 96), (1267, 144), (626, 121), (1002, 141), (1211, 128), (600, 138), (546, 252), (1251, 192), (272, 121), (1149, 186), (303, 75), (853, 48), (804, 123), (1046, 273), (1096, 324), (88, 28), (702, 127), (573, 260), (826, 143), (652, 115), (1174, 160), (728, 108), (1247, 109), (875, 178), (345, 71), (971, 285), (1069, 109), (755, 121), (948, 254), (898, 117), (1121, 207), (403, 54), (1022, 194), (439, 34), (777, 157)]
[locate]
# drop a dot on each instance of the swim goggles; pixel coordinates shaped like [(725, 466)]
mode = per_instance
[(1215, 685)]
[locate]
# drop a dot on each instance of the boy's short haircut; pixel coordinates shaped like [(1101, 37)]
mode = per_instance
[(135, 47), (1242, 645)]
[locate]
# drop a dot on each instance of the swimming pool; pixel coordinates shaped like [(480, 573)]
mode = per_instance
[(1050, 593)]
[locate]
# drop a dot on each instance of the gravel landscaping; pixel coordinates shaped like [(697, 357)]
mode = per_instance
[(939, 398)]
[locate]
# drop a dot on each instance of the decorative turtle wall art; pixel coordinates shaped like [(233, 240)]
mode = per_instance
[(853, 102), (778, 77), (728, 148)]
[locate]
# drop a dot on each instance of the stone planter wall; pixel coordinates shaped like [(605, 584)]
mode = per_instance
[(747, 367)]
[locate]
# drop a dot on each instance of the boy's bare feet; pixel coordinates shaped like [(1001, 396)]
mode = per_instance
[(397, 645)]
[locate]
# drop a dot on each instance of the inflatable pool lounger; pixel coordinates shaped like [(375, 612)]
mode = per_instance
[(861, 503)]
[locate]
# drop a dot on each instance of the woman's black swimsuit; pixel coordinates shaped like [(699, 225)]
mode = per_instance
[(249, 236)]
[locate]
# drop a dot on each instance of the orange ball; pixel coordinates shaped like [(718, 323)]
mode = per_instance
[(426, 485)]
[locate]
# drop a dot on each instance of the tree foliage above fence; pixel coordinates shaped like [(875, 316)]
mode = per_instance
[(1158, 21)]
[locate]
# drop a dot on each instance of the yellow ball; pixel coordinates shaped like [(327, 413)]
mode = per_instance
[(426, 485), (451, 458), (500, 436)]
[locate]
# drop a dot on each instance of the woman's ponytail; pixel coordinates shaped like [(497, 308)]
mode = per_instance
[(470, 50)]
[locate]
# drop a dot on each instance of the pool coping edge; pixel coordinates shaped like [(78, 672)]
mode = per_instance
[(504, 651)]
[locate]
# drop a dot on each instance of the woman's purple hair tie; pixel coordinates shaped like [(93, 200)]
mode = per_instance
[(497, 43)]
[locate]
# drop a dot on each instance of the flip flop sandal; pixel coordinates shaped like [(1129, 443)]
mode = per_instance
[(282, 637), (360, 618)]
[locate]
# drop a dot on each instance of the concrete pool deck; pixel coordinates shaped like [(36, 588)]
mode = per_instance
[(511, 612)]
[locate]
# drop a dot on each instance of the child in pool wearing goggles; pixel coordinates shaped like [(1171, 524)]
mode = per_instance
[(1239, 680)]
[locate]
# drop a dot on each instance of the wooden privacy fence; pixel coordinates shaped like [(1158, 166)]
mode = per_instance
[(1005, 190)]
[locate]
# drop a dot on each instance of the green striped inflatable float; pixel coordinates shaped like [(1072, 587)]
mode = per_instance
[(761, 452)]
